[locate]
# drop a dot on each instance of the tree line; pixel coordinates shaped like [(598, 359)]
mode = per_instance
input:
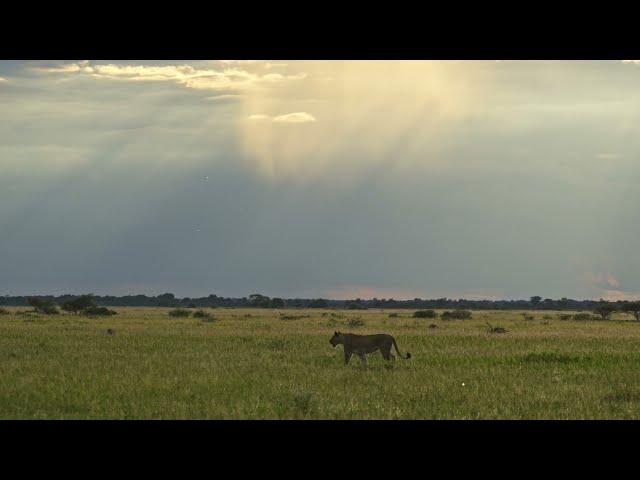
[(263, 301)]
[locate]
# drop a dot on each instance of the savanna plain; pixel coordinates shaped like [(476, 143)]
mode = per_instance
[(278, 364)]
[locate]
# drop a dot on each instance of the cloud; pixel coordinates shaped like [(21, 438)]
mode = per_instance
[(224, 98), (258, 117), (229, 78), (603, 280), (295, 117), (607, 156), (615, 295), (346, 292)]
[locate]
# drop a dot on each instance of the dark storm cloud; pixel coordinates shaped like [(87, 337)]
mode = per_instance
[(113, 185)]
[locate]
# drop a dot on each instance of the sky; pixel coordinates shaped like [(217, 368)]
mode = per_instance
[(334, 179)]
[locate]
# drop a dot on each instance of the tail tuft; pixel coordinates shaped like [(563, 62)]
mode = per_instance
[(408, 355)]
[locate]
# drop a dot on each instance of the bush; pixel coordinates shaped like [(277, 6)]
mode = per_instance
[(393, 315), (79, 304), (583, 316), (96, 311), (43, 306), (179, 312), (425, 314), (355, 322), (496, 329), (4, 311), (565, 316), (456, 315), (204, 316), (547, 317)]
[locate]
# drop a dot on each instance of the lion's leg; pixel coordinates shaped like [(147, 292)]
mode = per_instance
[(347, 357), (363, 359), (386, 353)]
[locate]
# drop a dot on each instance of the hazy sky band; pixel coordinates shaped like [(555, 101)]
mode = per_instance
[(335, 179)]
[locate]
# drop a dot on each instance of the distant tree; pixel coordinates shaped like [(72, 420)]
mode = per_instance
[(632, 308), (48, 307), (318, 303), (535, 300), (79, 304), (259, 301), (604, 309), (166, 300), (277, 303)]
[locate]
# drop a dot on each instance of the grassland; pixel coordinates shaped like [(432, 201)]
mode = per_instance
[(270, 364)]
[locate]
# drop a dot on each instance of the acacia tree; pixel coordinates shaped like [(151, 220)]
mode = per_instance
[(259, 301), (79, 304), (43, 306), (604, 309), (276, 303), (633, 308)]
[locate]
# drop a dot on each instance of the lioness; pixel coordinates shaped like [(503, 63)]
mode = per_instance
[(361, 344)]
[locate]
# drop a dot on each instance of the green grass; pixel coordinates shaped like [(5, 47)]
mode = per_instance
[(255, 364)]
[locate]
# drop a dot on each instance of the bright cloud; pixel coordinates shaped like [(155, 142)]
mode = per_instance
[(296, 117), (607, 156), (228, 78)]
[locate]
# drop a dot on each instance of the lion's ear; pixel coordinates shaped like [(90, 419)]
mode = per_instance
[(335, 333)]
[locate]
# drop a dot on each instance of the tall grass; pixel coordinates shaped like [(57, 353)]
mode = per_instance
[(251, 364)]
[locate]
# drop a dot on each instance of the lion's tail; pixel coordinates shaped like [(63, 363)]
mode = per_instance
[(407, 357)]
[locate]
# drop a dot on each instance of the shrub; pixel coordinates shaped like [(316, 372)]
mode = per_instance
[(303, 402), (43, 306), (582, 316), (496, 329), (179, 312), (355, 322), (456, 315), (393, 315), (96, 311), (79, 304), (425, 314), (565, 316), (547, 317), (4, 311), (205, 316)]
